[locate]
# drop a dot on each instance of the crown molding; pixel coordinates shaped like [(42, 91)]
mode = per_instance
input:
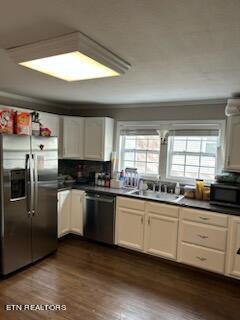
[(149, 105), (19, 101)]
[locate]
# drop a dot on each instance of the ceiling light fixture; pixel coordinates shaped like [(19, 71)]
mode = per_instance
[(71, 57)]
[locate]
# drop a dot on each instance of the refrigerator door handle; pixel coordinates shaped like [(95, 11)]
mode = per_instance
[(31, 186), (35, 170), (28, 194)]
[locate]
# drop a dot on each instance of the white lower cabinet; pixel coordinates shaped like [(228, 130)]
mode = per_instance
[(202, 239), (64, 208), (233, 255), (201, 257), (77, 207), (70, 212), (161, 236), (147, 227), (161, 230), (130, 228)]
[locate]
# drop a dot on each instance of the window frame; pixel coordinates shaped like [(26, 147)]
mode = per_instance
[(122, 142), (164, 127), (185, 153)]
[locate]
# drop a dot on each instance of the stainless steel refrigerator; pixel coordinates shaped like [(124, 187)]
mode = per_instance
[(28, 195)]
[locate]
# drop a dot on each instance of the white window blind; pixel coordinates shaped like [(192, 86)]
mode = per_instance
[(140, 149), (192, 154)]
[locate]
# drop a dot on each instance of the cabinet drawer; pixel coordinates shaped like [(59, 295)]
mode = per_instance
[(208, 259), (202, 216), (204, 235), (125, 202), (162, 209)]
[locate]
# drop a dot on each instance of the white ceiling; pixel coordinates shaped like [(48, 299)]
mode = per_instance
[(178, 49)]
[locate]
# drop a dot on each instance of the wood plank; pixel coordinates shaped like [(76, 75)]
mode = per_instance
[(98, 282)]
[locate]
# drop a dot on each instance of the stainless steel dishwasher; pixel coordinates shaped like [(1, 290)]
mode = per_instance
[(99, 217)]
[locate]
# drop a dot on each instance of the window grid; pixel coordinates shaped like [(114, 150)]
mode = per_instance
[(136, 151), (185, 153)]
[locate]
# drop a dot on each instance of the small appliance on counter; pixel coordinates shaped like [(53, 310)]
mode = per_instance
[(225, 194)]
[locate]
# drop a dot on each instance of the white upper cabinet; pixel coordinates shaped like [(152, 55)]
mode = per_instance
[(73, 137), (233, 252), (232, 160), (98, 138)]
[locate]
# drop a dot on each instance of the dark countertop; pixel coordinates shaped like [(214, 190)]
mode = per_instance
[(190, 203)]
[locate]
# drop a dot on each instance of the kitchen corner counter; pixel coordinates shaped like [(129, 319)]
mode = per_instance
[(190, 203)]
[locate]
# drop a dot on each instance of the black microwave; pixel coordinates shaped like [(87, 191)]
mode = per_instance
[(225, 194)]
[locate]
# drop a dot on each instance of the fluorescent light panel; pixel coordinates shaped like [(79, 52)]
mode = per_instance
[(70, 57), (71, 66)]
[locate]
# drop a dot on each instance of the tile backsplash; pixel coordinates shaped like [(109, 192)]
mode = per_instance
[(71, 167)]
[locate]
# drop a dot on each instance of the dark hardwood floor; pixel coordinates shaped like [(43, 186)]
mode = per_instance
[(97, 282)]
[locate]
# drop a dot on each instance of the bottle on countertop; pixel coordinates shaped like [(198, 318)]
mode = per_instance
[(107, 181), (96, 178), (199, 189), (103, 179), (177, 189), (99, 180), (121, 177)]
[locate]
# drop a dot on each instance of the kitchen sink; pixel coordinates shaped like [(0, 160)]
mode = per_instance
[(170, 197)]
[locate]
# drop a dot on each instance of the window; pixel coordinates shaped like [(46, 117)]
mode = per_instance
[(141, 152), (194, 149), (192, 157)]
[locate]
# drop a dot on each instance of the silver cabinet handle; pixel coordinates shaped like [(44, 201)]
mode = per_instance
[(201, 258), (202, 236), (142, 219), (204, 218)]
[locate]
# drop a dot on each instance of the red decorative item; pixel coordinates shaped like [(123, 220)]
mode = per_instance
[(6, 121), (45, 132), (23, 123)]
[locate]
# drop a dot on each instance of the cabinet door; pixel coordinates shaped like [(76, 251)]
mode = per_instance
[(73, 137), (77, 211), (232, 161), (130, 228), (94, 139), (64, 209), (233, 252), (161, 236)]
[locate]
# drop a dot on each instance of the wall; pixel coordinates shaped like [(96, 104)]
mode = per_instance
[(178, 112)]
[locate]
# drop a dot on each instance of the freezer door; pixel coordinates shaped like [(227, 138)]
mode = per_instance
[(15, 203), (44, 217)]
